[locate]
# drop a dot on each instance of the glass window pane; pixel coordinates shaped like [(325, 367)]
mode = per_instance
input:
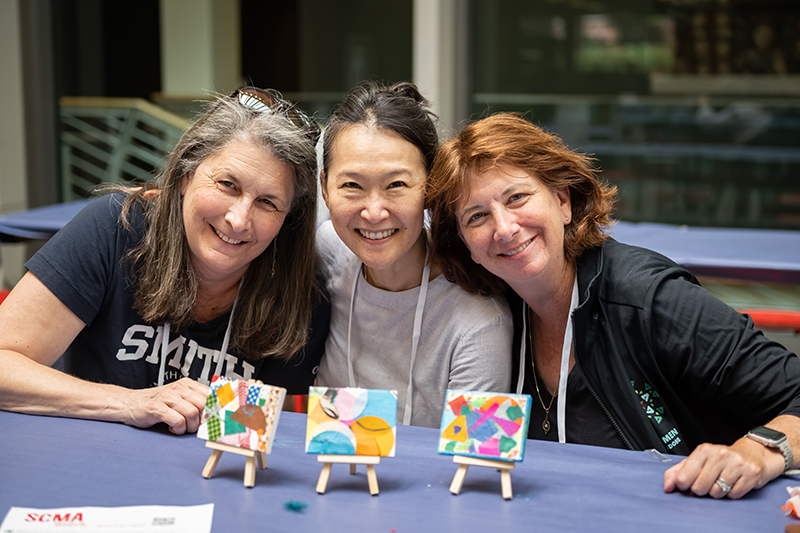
[(691, 107)]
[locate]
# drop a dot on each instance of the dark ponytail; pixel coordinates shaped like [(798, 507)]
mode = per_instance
[(400, 109)]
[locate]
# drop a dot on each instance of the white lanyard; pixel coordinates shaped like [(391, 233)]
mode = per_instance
[(566, 348), (223, 351), (423, 293), (564, 373)]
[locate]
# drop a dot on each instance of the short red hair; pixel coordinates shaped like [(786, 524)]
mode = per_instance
[(507, 139)]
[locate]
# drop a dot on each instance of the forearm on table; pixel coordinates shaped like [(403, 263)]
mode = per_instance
[(33, 388)]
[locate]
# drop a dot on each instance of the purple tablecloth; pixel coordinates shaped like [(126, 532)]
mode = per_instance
[(55, 462)]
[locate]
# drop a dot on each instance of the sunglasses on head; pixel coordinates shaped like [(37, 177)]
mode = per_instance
[(262, 99)]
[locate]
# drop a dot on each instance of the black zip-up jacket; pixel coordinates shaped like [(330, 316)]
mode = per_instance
[(670, 364)]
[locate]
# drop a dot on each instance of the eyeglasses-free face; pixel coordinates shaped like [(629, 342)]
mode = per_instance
[(234, 205), (513, 225), (375, 192), (262, 99)]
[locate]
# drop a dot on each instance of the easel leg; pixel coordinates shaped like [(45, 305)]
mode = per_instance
[(372, 479), (262, 460), (505, 483), (353, 469), (250, 471), (323, 478), (211, 464), (458, 479)]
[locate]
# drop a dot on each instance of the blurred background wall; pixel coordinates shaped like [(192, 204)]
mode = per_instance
[(691, 107)]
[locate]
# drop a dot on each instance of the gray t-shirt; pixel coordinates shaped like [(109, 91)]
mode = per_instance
[(465, 340)]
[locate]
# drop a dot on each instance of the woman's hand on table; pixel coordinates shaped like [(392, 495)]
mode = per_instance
[(178, 404), (744, 466)]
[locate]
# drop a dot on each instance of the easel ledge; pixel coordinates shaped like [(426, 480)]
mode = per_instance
[(353, 461), (249, 467), (504, 467)]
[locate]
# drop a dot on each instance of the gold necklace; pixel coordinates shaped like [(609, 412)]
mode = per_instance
[(546, 422)]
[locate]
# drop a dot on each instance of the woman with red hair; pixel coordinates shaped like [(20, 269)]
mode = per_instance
[(619, 346)]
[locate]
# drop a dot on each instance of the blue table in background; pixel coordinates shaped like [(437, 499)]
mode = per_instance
[(754, 255), (55, 462), (39, 222), (747, 254)]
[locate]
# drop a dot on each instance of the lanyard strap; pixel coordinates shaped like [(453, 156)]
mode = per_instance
[(566, 348), (223, 353), (162, 363), (522, 363), (564, 372), (423, 294)]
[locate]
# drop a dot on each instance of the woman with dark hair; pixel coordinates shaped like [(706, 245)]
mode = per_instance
[(396, 323), (622, 344), (151, 295)]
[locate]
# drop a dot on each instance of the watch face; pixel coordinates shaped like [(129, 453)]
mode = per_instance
[(768, 433)]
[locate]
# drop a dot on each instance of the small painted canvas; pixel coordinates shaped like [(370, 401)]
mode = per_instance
[(485, 424), (351, 421), (242, 413)]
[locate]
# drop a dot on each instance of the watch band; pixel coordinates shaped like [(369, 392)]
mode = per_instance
[(781, 444), (788, 456)]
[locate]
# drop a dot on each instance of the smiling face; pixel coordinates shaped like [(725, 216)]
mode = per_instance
[(233, 206), (513, 225), (375, 192)]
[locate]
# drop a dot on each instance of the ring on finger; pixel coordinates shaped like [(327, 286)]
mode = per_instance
[(724, 486)]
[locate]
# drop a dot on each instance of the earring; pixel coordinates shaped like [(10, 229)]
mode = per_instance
[(274, 253), (566, 219)]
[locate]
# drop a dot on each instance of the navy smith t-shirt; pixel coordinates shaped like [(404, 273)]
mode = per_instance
[(84, 266)]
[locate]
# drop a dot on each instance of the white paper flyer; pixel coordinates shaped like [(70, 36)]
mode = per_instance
[(135, 519)]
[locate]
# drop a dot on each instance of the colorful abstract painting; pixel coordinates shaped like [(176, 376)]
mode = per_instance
[(350, 421), (485, 424), (242, 413)]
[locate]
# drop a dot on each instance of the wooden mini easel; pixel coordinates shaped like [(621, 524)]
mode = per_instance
[(353, 460), (249, 466), (504, 467)]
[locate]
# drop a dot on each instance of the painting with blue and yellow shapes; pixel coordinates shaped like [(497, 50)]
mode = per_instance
[(485, 424), (351, 421)]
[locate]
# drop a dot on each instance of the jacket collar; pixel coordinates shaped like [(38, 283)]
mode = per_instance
[(590, 266), (590, 281)]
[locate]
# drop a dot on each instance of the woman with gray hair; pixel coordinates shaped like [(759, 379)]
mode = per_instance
[(152, 295)]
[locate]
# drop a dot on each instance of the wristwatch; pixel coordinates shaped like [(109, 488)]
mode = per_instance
[(774, 439)]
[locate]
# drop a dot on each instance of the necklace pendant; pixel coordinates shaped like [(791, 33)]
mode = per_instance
[(546, 426)]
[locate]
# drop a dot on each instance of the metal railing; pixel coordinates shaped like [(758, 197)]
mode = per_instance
[(113, 140)]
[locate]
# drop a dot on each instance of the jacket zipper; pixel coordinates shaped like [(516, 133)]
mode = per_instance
[(608, 415), (583, 376), (600, 403)]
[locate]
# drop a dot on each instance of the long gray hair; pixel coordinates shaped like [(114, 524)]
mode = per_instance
[(273, 314)]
